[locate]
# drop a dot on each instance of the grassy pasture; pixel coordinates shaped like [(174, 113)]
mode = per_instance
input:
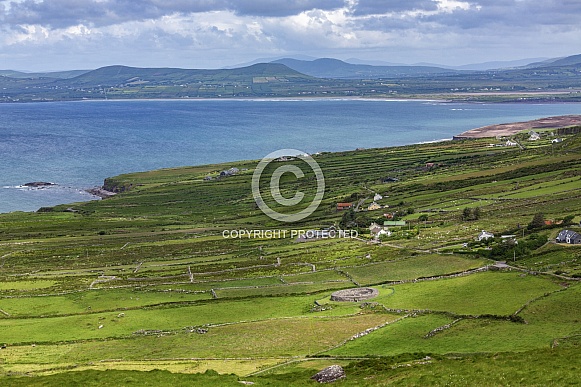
[(273, 339), (412, 268), (86, 326), (116, 284), (27, 285), (93, 301), (475, 294)]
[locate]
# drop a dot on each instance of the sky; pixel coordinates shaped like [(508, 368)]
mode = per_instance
[(44, 35)]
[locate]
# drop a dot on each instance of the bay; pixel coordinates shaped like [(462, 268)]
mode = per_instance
[(78, 144)]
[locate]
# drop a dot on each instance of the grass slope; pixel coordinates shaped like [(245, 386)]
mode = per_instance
[(134, 281)]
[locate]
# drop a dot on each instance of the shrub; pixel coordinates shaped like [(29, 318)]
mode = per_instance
[(537, 222)]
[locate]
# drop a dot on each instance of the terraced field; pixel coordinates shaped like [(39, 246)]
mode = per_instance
[(100, 292)]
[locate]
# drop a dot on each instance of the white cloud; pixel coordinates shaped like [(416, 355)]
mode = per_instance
[(214, 33)]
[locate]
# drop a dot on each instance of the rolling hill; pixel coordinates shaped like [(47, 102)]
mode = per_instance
[(334, 68), (116, 75), (300, 78), (49, 74)]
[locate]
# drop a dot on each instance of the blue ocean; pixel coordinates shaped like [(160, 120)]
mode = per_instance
[(78, 144)]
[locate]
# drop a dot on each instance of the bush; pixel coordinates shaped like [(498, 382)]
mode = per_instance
[(537, 222), (470, 214), (567, 220)]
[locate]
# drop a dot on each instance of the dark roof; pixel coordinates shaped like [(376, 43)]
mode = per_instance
[(563, 235)]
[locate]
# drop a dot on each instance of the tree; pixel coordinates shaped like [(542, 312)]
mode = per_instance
[(538, 221), (423, 217), (471, 214), (348, 219), (466, 213), (568, 219)]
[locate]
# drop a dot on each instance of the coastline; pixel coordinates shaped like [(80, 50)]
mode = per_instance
[(510, 129), (100, 192), (481, 132), (545, 97)]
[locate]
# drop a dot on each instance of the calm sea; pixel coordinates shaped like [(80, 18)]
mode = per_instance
[(78, 144)]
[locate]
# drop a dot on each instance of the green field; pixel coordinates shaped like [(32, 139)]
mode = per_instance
[(144, 288)]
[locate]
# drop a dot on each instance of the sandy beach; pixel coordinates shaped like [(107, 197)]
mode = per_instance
[(510, 129)]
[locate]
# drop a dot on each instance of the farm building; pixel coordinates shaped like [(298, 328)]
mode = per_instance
[(568, 236), (484, 235), (377, 231), (344, 206), (230, 172), (534, 136), (373, 206)]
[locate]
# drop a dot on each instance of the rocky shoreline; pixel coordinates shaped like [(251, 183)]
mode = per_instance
[(100, 192)]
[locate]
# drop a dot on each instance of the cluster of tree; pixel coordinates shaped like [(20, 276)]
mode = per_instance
[(470, 213), (511, 249), (352, 219), (538, 221)]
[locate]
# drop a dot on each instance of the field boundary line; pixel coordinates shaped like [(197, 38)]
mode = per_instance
[(537, 299), (4, 259), (365, 333)]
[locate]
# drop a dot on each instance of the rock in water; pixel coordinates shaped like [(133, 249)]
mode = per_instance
[(37, 184), (329, 374)]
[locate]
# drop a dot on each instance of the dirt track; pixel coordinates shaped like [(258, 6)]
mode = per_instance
[(505, 130)]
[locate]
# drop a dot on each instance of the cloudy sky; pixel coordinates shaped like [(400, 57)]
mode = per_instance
[(81, 34)]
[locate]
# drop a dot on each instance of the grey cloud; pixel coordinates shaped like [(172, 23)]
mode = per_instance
[(64, 13), (282, 8), (493, 15), (377, 7), (511, 13), (387, 23)]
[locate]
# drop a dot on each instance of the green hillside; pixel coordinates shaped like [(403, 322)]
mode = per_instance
[(123, 75), (150, 286)]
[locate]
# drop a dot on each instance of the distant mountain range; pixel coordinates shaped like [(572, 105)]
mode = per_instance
[(134, 76), (315, 67), (473, 66), (49, 74), (337, 69), (287, 77), (556, 62)]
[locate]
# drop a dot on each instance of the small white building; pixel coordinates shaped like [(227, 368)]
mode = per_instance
[(377, 197), (376, 231), (534, 136), (484, 235), (374, 228)]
